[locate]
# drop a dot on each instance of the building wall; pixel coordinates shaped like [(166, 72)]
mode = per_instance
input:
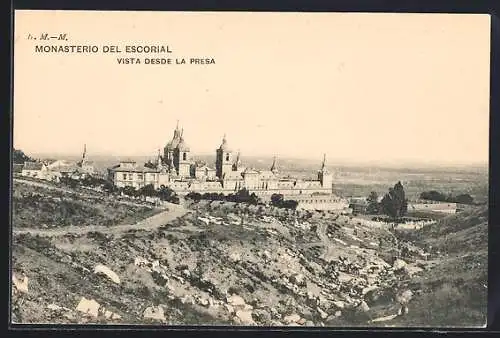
[(320, 205), (184, 169), (223, 162), (134, 179), (33, 173), (435, 207)]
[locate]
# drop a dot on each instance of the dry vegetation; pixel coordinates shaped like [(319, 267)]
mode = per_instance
[(34, 207), (289, 268)]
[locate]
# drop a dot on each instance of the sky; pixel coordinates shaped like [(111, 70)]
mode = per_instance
[(358, 87)]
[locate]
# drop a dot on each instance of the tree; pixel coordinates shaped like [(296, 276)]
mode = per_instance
[(72, 183), (254, 199), (195, 196), (394, 203), (464, 199), (373, 206), (108, 186), (433, 195), (289, 204), (387, 205), (130, 191), (167, 194), (148, 190), (276, 199), (19, 157), (401, 203)]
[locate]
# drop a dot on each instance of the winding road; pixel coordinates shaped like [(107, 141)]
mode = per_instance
[(174, 211)]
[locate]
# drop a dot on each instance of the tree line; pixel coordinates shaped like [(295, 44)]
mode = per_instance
[(437, 196), (394, 203), (278, 200), (19, 157), (241, 196), (244, 196), (163, 193)]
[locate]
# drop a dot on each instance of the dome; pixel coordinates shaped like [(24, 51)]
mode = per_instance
[(182, 145), (168, 146), (224, 146)]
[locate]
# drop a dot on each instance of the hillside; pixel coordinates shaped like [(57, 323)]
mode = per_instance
[(455, 290), (223, 263)]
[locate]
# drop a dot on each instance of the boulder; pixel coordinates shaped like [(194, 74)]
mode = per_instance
[(204, 302), (368, 289), (363, 307), (411, 270), (322, 313), (404, 297), (111, 315), (229, 308), (399, 264), (88, 306), (293, 318), (54, 307), (235, 257), (102, 269), (339, 304), (236, 300), (245, 317), (154, 312), (21, 285), (298, 279)]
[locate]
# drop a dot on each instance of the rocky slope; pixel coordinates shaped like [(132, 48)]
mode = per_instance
[(234, 264)]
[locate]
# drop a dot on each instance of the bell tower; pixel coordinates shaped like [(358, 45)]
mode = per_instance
[(223, 159), (324, 176), (182, 157)]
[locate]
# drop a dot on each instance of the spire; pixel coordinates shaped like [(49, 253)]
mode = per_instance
[(237, 163), (84, 151), (177, 133), (182, 132), (323, 165), (159, 158), (274, 167)]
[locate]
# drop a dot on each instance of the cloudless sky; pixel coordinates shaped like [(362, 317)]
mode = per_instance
[(358, 87)]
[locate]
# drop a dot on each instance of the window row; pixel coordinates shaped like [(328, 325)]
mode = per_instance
[(130, 176)]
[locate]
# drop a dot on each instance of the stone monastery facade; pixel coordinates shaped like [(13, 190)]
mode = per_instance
[(176, 169)]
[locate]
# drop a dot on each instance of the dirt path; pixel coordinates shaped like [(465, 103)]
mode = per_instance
[(150, 223)]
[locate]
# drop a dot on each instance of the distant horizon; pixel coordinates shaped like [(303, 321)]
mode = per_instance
[(330, 160)]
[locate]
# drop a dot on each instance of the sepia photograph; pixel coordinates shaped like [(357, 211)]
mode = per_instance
[(250, 169)]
